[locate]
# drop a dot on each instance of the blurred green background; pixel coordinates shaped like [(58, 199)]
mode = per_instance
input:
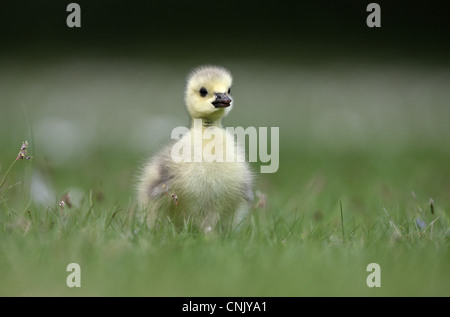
[(363, 112), (112, 90)]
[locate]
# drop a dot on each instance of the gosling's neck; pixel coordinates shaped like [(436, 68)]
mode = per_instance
[(206, 123)]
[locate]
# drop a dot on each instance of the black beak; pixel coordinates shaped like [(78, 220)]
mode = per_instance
[(222, 100)]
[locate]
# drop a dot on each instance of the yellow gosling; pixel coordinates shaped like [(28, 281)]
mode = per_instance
[(203, 189)]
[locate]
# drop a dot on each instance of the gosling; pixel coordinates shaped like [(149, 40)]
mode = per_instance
[(207, 193)]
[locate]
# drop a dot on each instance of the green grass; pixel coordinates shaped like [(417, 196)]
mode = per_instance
[(296, 245), (353, 188)]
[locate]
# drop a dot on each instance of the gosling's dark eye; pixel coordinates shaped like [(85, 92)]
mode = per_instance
[(229, 90), (203, 92)]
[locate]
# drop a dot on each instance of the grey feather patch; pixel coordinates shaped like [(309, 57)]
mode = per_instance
[(162, 184), (249, 193)]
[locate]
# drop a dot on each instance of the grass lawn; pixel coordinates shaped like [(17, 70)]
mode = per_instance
[(364, 177)]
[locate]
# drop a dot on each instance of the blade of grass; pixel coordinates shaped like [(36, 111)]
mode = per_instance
[(342, 222)]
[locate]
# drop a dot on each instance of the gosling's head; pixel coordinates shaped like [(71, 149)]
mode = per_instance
[(208, 93)]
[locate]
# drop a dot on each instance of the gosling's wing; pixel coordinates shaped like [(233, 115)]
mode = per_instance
[(155, 178), (249, 193), (248, 187)]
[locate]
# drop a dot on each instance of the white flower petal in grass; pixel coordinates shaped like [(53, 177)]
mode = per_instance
[(41, 190)]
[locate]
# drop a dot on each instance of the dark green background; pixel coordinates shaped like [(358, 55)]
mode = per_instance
[(280, 29)]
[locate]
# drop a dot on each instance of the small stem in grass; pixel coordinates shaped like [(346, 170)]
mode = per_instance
[(342, 222), (6, 174), (10, 187), (22, 155)]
